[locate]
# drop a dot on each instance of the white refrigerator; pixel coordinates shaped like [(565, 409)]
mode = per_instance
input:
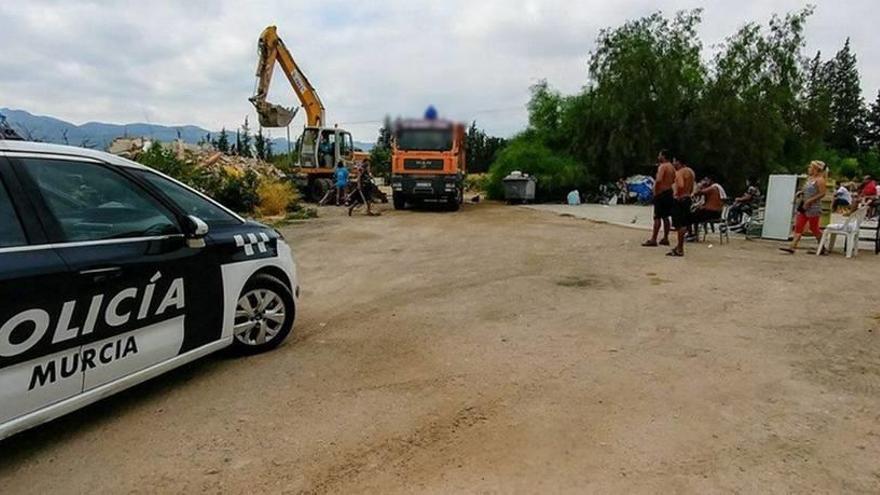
[(780, 207)]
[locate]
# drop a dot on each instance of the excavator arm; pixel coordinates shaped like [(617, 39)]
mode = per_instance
[(272, 50)]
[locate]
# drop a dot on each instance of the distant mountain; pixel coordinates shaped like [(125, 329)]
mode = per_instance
[(99, 135)]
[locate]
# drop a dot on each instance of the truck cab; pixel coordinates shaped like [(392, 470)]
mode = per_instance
[(428, 163)]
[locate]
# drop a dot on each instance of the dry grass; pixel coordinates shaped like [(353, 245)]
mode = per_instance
[(275, 197)]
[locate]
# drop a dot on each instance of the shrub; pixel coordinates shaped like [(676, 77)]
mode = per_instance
[(164, 160), (275, 197), (237, 191), (476, 182), (556, 173)]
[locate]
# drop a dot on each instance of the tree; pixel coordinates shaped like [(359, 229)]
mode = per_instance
[(815, 119), (645, 79), (748, 118), (871, 138), (481, 149), (380, 155), (759, 106), (847, 104), (243, 141), (222, 141), (261, 144)]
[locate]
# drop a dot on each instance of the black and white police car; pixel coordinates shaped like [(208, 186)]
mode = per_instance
[(111, 273)]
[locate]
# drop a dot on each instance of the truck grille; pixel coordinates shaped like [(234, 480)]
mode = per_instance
[(420, 164)]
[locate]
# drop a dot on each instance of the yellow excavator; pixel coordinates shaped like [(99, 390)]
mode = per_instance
[(320, 147)]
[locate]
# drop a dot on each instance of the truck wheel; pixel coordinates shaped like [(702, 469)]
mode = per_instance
[(453, 204), (399, 201), (263, 316)]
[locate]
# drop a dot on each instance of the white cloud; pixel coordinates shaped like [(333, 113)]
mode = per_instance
[(193, 62)]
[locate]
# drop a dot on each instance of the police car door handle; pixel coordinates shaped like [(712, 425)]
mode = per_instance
[(102, 274)]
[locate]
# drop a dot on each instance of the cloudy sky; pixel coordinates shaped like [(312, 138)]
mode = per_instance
[(174, 62)]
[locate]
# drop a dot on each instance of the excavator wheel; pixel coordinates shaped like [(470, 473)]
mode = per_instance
[(319, 188)]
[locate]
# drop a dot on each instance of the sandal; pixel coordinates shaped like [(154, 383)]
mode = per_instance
[(675, 254), (664, 242), (787, 250), (650, 244)]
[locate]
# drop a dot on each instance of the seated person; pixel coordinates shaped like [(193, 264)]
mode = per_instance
[(868, 195), (713, 203), (325, 152), (842, 198), (745, 203)]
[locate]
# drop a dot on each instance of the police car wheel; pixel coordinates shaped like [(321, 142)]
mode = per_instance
[(263, 316)]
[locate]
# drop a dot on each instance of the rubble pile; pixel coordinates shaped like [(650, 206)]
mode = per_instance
[(216, 161), (201, 157)]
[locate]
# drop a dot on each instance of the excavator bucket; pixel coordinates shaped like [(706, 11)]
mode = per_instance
[(271, 115)]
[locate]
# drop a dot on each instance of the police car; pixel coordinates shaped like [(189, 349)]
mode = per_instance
[(112, 273)]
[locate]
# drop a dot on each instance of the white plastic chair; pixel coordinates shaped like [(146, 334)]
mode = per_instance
[(850, 229)]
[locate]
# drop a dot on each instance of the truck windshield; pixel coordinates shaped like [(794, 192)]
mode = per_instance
[(424, 140)]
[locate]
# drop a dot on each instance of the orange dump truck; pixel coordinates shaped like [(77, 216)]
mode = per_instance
[(428, 163)]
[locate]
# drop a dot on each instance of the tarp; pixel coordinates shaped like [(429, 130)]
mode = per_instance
[(640, 187)]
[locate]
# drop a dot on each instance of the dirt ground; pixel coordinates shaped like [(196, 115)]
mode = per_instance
[(503, 350)]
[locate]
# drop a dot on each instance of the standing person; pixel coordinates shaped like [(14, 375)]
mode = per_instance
[(363, 190), (340, 185), (810, 206), (341, 176), (842, 198), (681, 211), (663, 200)]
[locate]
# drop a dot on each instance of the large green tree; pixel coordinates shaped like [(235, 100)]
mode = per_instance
[(645, 80), (847, 104), (759, 106), (481, 149)]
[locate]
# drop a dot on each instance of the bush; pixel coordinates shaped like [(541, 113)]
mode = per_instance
[(243, 190), (275, 197), (165, 160), (476, 182), (556, 173), (235, 189)]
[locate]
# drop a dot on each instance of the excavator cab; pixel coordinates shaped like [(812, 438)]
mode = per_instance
[(324, 148)]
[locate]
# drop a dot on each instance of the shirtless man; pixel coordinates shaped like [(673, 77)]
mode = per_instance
[(663, 200), (681, 210), (713, 205)]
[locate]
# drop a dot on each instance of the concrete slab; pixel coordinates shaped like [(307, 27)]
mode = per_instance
[(641, 217)]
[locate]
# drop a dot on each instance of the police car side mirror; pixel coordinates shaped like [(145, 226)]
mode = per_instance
[(196, 232)]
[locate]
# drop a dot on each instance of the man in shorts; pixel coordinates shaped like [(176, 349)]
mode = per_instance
[(683, 189), (663, 199)]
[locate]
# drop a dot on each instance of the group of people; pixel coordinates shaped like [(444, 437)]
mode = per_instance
[(361, 191), (677, 196), (688, 204), (865, 195)]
